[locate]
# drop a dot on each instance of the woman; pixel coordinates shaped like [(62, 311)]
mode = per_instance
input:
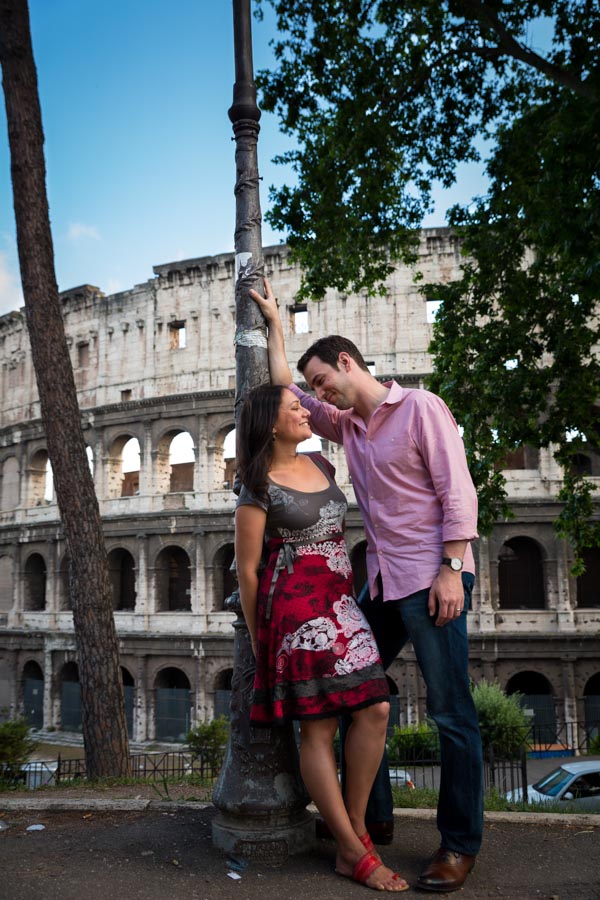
[(315, 653)]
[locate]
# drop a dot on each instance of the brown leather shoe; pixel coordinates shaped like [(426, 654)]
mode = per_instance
[(445, 871), (381, 832)]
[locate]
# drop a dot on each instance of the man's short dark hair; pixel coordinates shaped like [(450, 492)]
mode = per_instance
[(328, 350)]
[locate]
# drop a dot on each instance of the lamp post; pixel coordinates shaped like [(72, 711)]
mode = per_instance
[(259, 794)]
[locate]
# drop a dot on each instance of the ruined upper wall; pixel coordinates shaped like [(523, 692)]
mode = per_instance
[(125, 346)]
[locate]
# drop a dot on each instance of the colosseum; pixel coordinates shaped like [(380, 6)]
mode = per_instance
[(155, 373)]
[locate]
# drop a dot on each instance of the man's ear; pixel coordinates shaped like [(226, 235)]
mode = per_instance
[(344, 361)]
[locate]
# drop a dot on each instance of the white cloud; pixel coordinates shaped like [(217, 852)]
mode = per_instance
[(11, 296), (78, 230)]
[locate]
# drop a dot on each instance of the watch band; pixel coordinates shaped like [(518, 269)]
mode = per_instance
[(454, 562)]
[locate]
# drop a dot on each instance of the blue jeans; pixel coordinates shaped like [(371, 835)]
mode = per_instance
[(443, 657)]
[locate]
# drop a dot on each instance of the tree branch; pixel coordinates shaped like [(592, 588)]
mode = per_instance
[(509, 46)]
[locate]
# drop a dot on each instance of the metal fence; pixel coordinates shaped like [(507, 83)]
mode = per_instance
[(155, 766)]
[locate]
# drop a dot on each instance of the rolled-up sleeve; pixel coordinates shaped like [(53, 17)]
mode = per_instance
[(444, 454)]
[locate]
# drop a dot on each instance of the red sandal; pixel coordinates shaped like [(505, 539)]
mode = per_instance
[(365, 867)]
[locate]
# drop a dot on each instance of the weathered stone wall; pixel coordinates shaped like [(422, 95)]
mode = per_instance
[(159, 360)]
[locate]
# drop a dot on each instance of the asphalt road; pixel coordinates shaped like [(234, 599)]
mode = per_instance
[(160, 854)]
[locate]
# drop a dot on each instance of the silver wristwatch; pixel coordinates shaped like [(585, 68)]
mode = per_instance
[(454, 562)]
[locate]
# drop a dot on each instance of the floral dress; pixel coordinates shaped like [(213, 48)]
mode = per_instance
[(316, 654)]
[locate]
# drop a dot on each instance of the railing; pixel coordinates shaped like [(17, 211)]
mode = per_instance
[(149, 766)]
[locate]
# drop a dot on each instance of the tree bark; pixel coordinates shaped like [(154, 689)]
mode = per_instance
[(104, 724)]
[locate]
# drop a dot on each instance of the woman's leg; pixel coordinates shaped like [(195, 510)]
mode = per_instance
[(364, 746), (319, 772)]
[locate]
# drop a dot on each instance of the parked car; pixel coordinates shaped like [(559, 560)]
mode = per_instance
[(576, 784), (401, 778)]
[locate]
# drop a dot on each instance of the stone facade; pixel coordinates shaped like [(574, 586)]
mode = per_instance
[(158, 361)]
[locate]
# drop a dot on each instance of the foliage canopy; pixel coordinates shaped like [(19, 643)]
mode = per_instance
[(384, 98)]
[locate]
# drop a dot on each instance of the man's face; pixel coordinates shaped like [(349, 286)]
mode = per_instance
[(330, 385)]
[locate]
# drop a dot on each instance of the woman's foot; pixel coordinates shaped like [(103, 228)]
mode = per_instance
[(370, 871)]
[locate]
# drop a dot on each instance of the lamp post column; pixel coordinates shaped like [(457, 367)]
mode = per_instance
[(259, 794)]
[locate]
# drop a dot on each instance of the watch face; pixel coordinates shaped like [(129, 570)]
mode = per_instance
[(456, 564)]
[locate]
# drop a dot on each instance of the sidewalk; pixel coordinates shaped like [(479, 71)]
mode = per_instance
[(106, 849)]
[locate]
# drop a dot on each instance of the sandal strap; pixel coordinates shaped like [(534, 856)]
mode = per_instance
[(365, 866)]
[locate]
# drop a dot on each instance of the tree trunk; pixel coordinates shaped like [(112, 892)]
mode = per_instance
[(104, 724)]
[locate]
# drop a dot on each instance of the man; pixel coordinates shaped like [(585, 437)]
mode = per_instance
[(419, 507)]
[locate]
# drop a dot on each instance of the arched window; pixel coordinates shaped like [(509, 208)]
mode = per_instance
[(35, 583), (588, 584), (173, 705), (229, 450), (173, 580), (537, 697), (33, 695), (591, 699), (121, 568), (128, 684), (130, 468), (181, 461), (90, 457), (70, 698), (225, 581), (64, 580), (521, 575), (41, 483), (223, 693)]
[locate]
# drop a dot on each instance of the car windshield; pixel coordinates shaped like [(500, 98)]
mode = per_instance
[(553, 783)]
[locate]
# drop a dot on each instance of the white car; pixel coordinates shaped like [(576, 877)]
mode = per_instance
[(575, 784), (401, 778)]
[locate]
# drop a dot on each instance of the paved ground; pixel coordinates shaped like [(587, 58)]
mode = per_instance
[(165, 852)]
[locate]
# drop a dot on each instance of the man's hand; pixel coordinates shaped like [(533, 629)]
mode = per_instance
[(278, 365), (447, 596)]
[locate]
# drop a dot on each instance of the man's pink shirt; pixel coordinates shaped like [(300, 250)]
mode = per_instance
[(411, 481)]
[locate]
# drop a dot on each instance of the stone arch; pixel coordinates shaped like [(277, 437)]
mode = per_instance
[(64, 579), (216, 452), (588, 584), (123, 474), (7, 585), (229, 458), (175, 461), (70, 698), (33, 694), (34, 583), (173, 580), (224, 580), (9, 498), (521, 575), (173, 704), (591, 701), (223, 680), (40, 484), (121, 570), (537, 696), (128, 684)]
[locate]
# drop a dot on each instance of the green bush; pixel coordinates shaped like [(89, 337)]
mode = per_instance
[(16, 746), (502, 720), (208, 739), (413, 743), (594, 745)]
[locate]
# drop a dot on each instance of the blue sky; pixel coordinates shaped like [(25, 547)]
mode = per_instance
[(139, 156)]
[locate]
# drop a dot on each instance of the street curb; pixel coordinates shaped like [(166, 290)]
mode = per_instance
[(47, 804)]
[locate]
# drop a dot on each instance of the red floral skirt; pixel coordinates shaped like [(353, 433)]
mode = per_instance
[(316, 654)]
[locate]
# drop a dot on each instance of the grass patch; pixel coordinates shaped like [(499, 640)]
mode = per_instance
[(427, 798)]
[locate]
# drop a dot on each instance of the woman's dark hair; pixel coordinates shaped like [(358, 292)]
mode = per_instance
[(255, 437)]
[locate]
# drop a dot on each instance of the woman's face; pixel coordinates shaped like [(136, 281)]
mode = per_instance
[(292, 419)]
